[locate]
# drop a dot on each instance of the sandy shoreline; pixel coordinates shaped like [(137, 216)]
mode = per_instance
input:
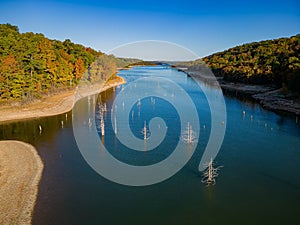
[(54, 105), (20, 165), (20, 172)]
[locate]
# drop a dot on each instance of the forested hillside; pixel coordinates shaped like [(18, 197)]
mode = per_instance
[(266, 62), (32, 65)]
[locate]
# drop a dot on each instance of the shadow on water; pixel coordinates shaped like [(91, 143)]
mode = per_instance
[(33, 130)]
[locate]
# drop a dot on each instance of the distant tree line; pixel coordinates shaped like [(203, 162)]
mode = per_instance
[(266, 62), (143, 63), (32, 65)]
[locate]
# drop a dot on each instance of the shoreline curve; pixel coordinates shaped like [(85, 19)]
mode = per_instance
[(20, 164), (20, 173), (56, 104)]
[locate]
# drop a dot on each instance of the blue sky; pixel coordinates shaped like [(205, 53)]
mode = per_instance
[(201, 26)]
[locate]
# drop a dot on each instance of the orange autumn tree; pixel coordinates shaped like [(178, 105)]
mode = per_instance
[(32, 65), (79, 69), (11, 78)]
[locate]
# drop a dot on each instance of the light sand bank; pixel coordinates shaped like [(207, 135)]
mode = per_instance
[(20, 172), (54, 105)]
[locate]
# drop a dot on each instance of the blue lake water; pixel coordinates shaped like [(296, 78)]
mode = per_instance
[(259, 182)]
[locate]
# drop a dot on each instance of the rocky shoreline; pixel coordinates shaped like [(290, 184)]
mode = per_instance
[(270, 97)]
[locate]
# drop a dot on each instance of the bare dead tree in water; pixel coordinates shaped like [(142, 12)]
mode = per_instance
[(189, 136), (210, 174), (145, 132)]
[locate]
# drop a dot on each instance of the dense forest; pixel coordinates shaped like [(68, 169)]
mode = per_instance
[(32, 65), (266, 62)]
